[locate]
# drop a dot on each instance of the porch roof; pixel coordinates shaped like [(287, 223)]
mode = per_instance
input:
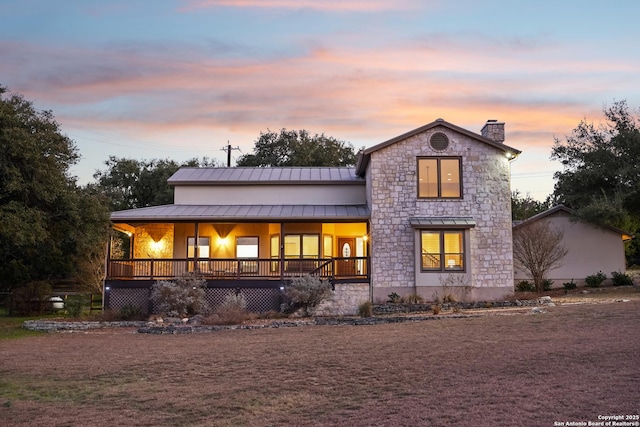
[(243, 213), (441, 222)]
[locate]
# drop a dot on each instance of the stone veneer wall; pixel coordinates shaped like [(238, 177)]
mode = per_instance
[(146, 236), (486, 198), (345, 300)]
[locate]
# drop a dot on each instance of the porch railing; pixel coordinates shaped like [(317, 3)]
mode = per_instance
[(233, 268)]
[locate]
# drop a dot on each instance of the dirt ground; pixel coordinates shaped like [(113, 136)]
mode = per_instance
[(573, 363)]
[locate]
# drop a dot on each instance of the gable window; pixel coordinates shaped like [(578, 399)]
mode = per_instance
[(439, 177), (442, 250)]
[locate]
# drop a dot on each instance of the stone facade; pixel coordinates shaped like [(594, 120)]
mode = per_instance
[(486, 198), (154, 241)]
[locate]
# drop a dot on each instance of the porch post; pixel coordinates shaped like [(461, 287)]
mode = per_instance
[(196, 266), (107, 257), (281, 263), (368, 260)]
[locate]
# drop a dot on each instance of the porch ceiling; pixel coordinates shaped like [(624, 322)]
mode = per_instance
[(243, 213)]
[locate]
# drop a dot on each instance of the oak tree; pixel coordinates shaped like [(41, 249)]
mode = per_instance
[(298, 148)]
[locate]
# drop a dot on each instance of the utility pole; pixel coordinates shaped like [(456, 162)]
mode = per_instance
[(228, 149)]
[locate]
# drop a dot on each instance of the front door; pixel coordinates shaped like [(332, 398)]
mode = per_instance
[(347, 250)]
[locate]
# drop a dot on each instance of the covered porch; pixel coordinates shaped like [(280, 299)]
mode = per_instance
[(254, 250)]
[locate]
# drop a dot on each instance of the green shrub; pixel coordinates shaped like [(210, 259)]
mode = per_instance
[(75, 305), (365, 309), (525, 286), (547, 284), (394, 298), (131, 312), (30, 299), (568, 286), (595, 280), (621, 279), (306, 293), (181, 297)]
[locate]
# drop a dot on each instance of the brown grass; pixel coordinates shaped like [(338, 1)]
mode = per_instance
[(571, 363)]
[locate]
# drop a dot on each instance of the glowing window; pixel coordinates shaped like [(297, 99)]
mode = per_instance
[(442, 250), (439, 177)]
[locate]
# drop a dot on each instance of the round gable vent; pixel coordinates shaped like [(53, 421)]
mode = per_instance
[(439, 141)]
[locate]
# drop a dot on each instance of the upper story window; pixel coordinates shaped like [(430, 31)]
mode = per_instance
[(439, 177)]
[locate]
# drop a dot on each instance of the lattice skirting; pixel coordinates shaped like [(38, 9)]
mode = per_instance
[(258, 299), (123, 297)]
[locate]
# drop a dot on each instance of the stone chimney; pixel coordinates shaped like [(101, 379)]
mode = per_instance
[(493, 130)]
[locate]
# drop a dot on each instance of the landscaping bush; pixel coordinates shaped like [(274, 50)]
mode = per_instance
[(525, 286), (413, 299), (568, 286), (547, 284), (449, 298), (126, 313), (595, 280), (182, 297), (306, 293), (75, 305), (232, 311), (621, 279), (365, 309), (394, 298), (30, 299), (131, 312)]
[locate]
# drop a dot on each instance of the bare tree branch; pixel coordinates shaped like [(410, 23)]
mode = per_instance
[(538, 248)]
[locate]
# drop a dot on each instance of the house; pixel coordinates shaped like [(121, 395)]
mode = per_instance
[(426, 213), (590, 248)]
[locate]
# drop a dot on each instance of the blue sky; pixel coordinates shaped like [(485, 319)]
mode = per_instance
[(179, 78)]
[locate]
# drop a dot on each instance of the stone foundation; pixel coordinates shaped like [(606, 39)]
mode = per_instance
[(345, 300), (429, 293)]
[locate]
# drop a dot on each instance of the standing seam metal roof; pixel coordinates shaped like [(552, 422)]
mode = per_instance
[(242, 212), (244, 176)]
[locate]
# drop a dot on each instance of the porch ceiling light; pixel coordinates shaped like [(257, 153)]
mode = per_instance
[(222, 241)]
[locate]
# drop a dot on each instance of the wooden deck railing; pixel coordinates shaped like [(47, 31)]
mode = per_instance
[(232, 268)]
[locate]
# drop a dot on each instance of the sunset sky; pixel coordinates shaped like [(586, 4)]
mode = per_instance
[(179, 78)]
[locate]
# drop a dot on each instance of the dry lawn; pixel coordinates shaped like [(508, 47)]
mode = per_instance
[(571, 363)]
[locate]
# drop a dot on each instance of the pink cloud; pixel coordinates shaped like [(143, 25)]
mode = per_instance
[(356, 94), (324, 5)]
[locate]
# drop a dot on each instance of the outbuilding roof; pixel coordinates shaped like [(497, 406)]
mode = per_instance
[(570, 212), (265, 176)]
